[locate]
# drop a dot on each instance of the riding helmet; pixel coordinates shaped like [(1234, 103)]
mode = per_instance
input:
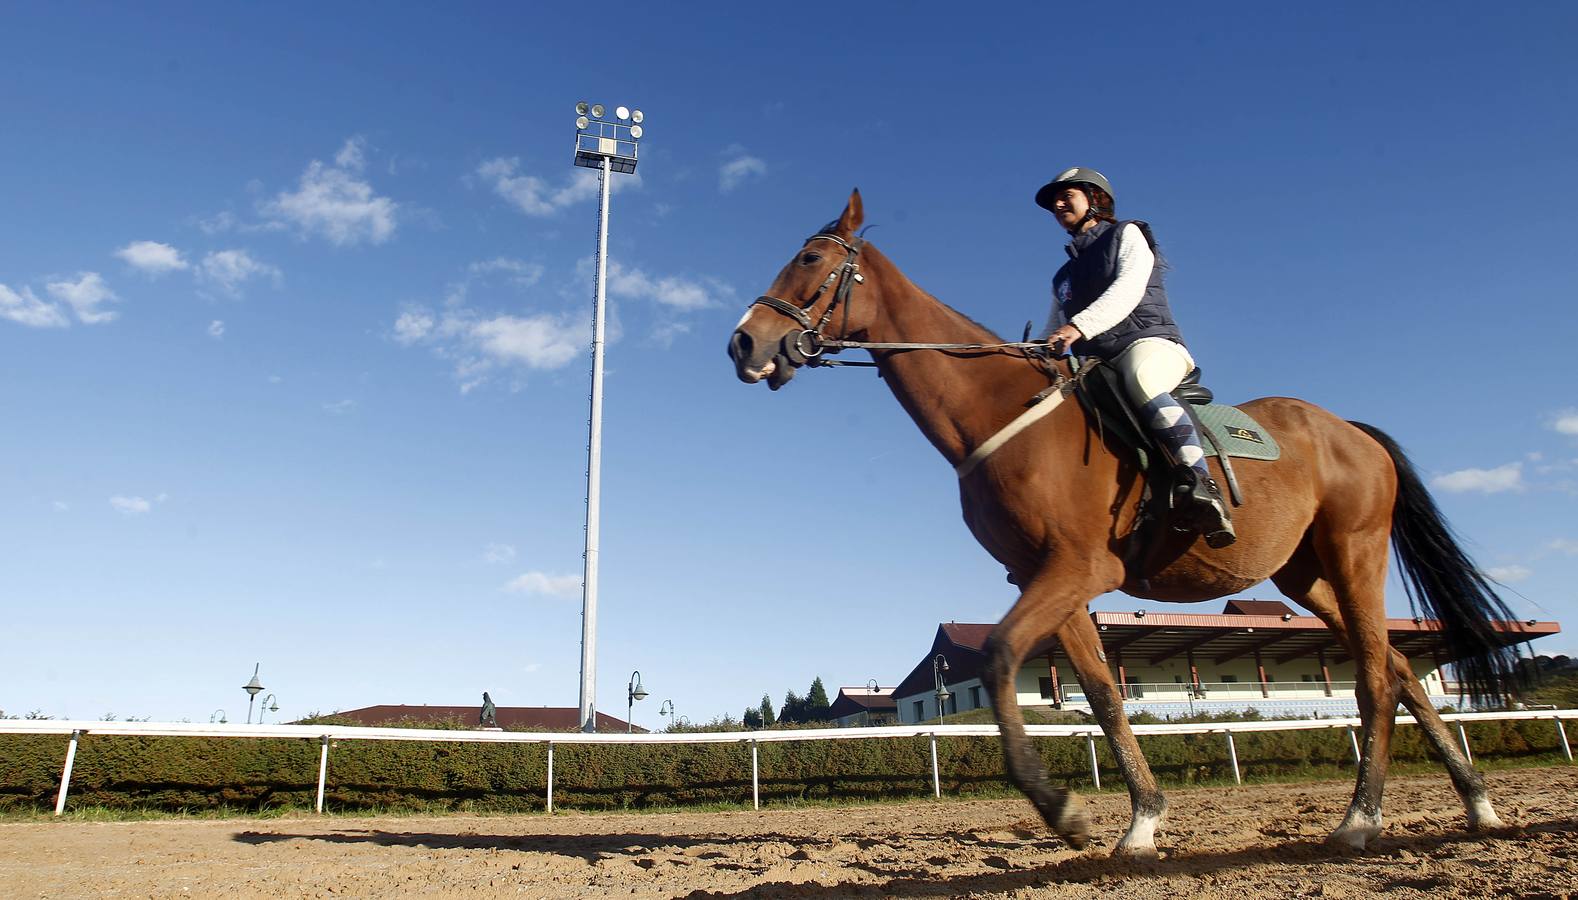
[(1075, 176)]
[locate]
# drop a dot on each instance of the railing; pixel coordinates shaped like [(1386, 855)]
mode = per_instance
[(324, 734)]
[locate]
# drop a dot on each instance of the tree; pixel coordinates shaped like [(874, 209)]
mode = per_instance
[(816, 703), (752, 718), (766, 712), (793, 709)]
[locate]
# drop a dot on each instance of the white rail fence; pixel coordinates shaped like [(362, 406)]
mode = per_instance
[(325, 734)]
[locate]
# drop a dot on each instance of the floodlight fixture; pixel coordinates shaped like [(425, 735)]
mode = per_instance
[(637, 116), (636, 132), (621, 113), (582, 121), (582, 107), (597, 110)]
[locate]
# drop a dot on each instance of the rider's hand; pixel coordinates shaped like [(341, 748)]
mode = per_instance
[(1061, 339)]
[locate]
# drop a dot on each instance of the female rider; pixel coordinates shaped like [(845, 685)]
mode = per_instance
[(1108, 302)]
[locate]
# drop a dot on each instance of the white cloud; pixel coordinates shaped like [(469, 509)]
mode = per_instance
[(738, 168), (25, 308), (1486, 481), (216, 329), (131, 506), (230, 269), (535, 196), (549, 585), (1566, 546), (61, 506), (521, 272), (339, 407), (1565, 422), (412, 326), (664, 334), (679, 293), (538, 341), (84, 296), (153, 257), (335, 203), (275, 379), (1509, 574), (498, 553)]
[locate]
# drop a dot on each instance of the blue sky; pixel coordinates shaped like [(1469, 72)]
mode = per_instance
[(294, 314)]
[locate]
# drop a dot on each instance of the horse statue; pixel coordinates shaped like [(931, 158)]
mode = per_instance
[(1051, 502)]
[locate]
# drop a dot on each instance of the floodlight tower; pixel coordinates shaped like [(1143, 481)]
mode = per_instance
[(609, 147)]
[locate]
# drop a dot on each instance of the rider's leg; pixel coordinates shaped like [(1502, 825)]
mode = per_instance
[(1152, 368)]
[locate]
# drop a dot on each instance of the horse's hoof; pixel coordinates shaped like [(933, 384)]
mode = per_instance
[(1352, 838), (1137, 853), (1482, 816), (1073, 823)]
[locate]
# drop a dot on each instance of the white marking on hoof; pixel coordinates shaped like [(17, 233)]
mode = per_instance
[(1140, 841), (1481, 816), (1356, 830)]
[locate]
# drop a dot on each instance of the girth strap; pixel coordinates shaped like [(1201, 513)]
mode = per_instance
[(1007, 432)]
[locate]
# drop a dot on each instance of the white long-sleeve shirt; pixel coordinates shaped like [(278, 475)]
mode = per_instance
[(1135, 263)]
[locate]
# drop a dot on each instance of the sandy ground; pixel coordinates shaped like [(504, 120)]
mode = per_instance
[(1252, 842)]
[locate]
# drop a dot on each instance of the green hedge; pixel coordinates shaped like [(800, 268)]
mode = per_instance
[(197, 774)]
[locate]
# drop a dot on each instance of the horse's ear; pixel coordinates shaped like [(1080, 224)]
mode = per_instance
[(854, 214)]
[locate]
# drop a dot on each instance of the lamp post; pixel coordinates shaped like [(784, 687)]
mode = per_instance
[(637, 692), (939, 667), (217, 715), (253, 688), (871, 695), (609, 147), (668, 709), (267, 708)]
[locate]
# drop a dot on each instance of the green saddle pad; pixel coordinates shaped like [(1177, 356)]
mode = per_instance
[(1237, 432)]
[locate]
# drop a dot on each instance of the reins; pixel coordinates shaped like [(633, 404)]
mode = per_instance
[(810, 345)]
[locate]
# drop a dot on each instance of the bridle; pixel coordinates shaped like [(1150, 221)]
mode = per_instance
[(808, 345)]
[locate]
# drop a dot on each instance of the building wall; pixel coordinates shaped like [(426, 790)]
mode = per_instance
[(1295, 687)]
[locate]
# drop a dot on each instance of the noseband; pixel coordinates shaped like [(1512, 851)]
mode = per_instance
[(809, 342)]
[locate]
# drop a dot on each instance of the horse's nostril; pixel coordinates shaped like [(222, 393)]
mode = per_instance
[(740, 346)]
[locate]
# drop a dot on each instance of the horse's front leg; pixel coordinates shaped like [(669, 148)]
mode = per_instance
[(1082, 642), (1047, 603)]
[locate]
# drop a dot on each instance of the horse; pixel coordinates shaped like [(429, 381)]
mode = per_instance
[(1052, 502)]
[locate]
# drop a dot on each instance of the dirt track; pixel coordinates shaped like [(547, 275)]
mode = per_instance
[(1248, 843)]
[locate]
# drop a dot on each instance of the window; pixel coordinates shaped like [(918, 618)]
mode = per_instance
[(1228, 679), (1046, 689), (920, 711), (1307, 679), (975, 697)]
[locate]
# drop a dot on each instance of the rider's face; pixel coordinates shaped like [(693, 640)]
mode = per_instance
[(1069, 206)]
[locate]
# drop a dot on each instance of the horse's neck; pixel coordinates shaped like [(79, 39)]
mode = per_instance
[(959, 400)]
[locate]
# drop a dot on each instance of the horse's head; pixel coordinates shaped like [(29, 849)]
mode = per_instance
[(784, 328)]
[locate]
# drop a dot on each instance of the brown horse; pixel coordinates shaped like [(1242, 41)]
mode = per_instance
[(1056, 505)]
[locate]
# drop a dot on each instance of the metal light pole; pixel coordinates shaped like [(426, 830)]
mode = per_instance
[(667, 709), (253, 688), (637, 692), (871, 696), (939, 667), (267, 708), (608, 147)]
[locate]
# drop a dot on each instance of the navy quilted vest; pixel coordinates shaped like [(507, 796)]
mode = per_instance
[(1091, 269)]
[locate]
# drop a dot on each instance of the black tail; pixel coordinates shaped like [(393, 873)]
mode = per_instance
[(1441, 578)]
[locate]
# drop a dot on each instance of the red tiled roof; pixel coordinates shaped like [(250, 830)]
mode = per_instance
[(510, 718)]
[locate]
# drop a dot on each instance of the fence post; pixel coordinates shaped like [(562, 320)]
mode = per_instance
[(936, 778), (65, 774), (1232, 754), (1354, 740), (1562, 733), (550, 776), (1095, 770), (756, 794), (1463, 736), (323, 770)]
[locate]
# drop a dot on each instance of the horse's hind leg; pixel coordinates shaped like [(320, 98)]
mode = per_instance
[(1082, 642), (1345, 575), (1302, 583)]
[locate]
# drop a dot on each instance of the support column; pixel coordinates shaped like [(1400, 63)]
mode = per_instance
[(1462, 735), (1260, 673), (1354, 740), (323, 769), (1194, 674), (1095, 769), (1232, 754), (936, 776), (756, 793), (1057, 684), (1325, 673), (1123, 681), (1561, 732), (550, 776), (65, 773)]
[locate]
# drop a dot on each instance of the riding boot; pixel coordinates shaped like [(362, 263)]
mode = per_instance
[(1197, 503), (1198, 506)]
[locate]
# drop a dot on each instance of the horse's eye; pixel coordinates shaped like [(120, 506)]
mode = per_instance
[(810, 258)]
